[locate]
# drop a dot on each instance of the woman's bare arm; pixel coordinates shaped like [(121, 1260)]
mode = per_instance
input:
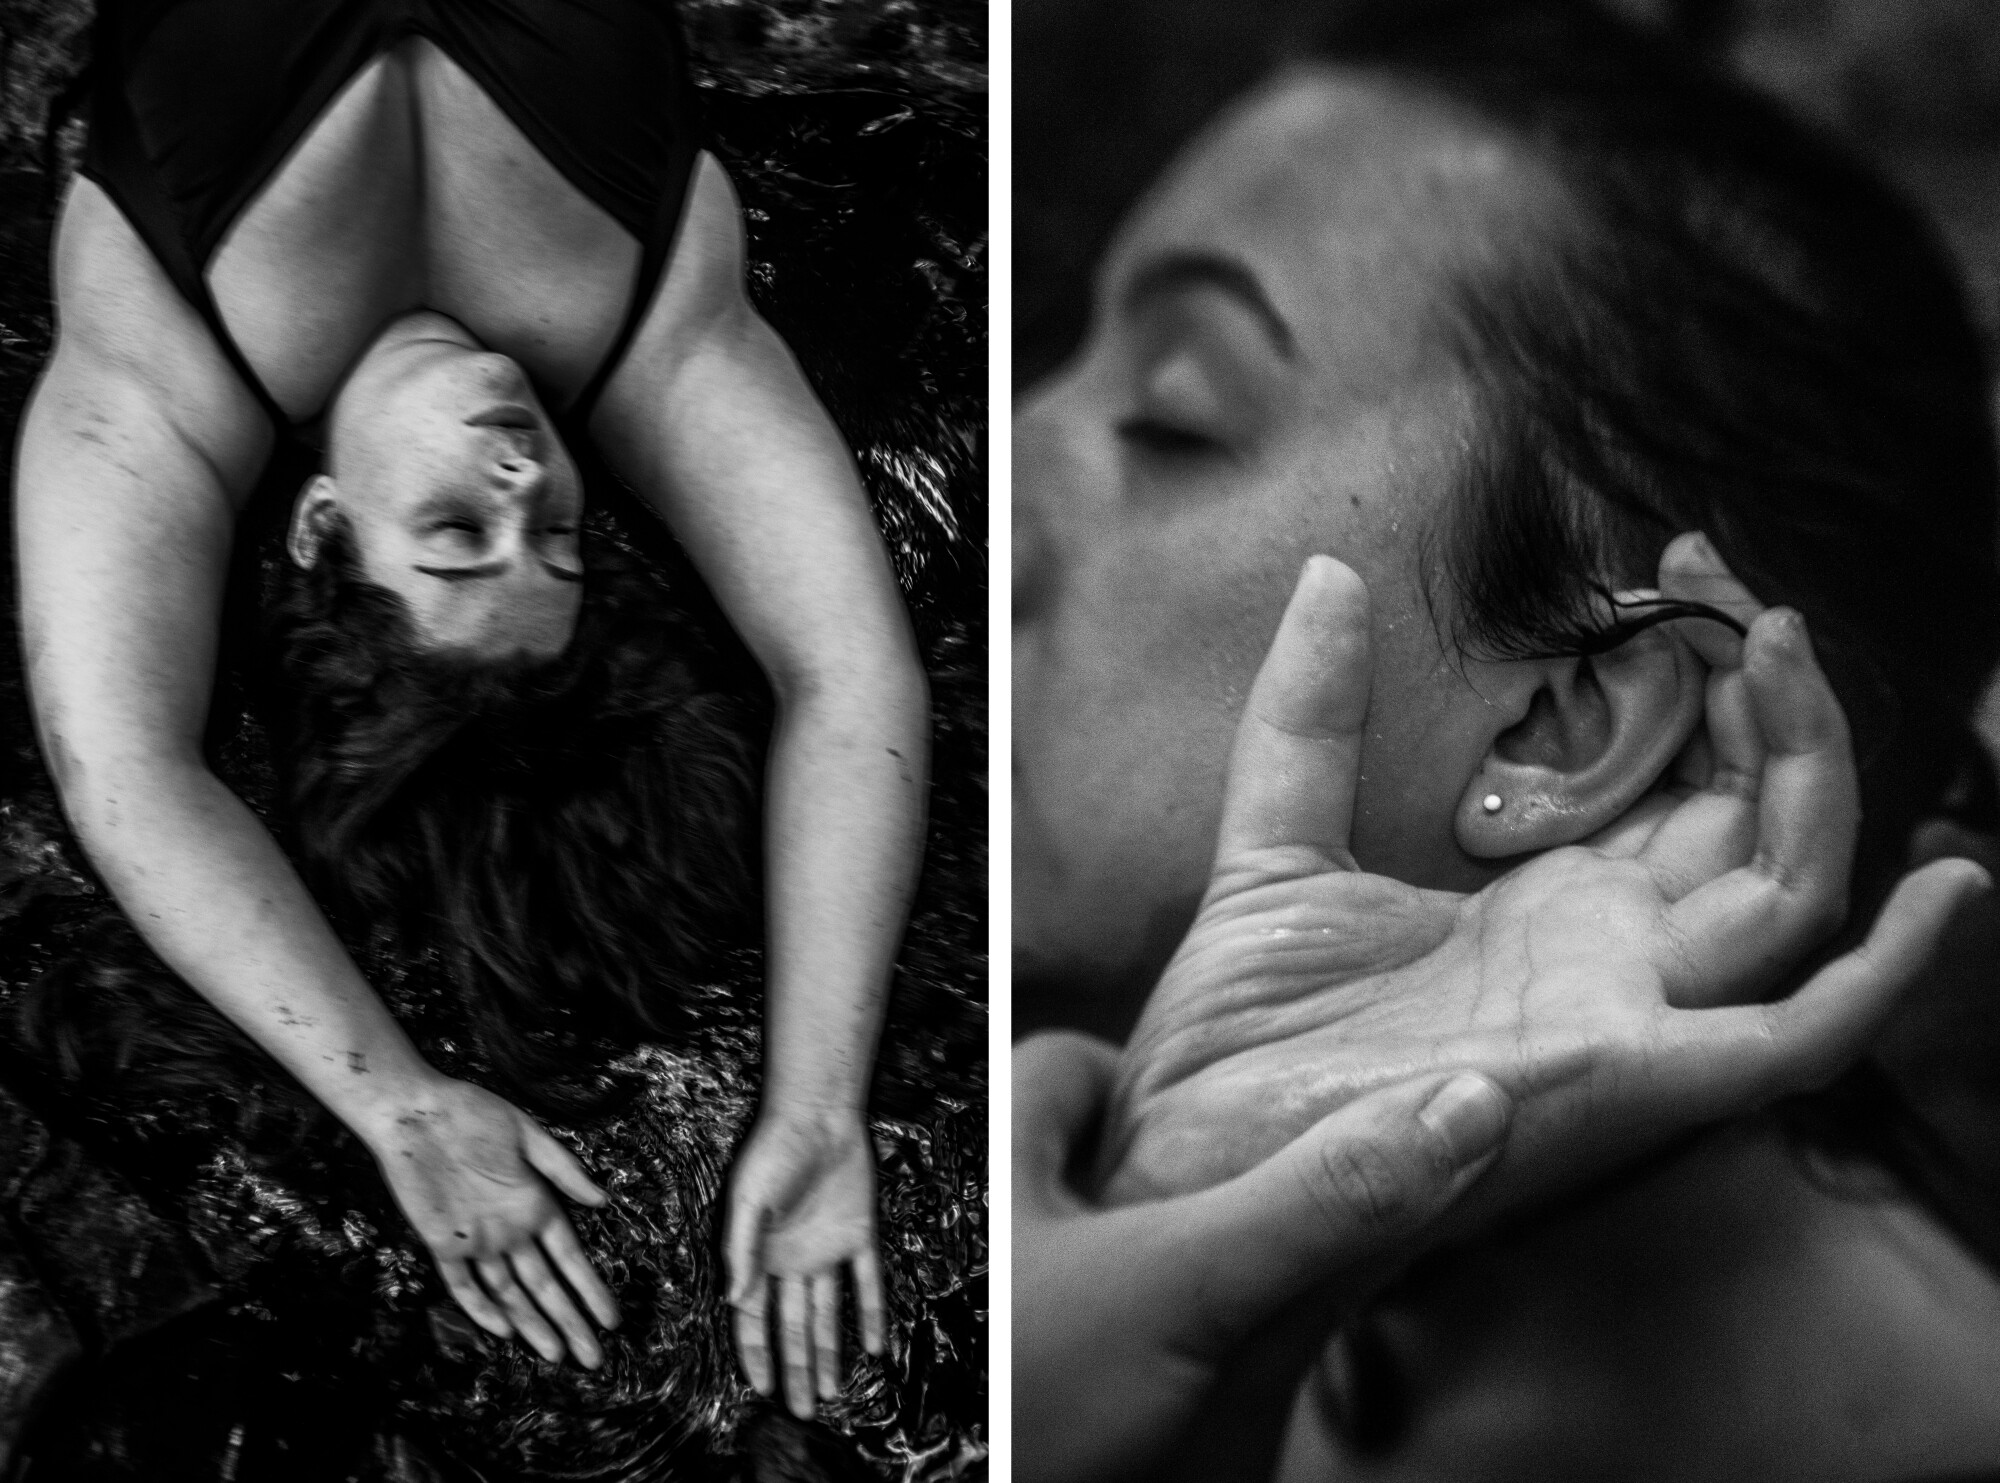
[(136, 455), (712, 421)]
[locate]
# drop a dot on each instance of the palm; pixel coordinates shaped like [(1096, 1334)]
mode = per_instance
[(816, 1187), (1586, 981), (463, 1181), (801, 1217), (477, 1178)]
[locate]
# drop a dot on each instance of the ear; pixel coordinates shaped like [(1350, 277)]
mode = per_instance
[(1588, 737), (312, 517)]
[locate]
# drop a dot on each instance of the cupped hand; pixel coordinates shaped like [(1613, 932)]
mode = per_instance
[(473, 1174), (1611, 988), (1125, 1320), (801, 1208)]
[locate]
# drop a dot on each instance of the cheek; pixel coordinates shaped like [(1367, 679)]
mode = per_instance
[(1428, 732), (1129, 681)]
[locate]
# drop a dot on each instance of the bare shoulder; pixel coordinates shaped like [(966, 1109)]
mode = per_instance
[(702, 291), (127, 341)]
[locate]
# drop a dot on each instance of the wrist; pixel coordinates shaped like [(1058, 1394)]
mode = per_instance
[(373, 1102), (801, 1108)]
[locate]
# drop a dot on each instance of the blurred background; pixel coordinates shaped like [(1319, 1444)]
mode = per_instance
[(1106, 90)]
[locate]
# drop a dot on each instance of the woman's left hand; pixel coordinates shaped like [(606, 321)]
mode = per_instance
[(801, 1206)]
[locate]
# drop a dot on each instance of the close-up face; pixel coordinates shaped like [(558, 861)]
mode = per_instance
[(459, 495), (1265, 377)]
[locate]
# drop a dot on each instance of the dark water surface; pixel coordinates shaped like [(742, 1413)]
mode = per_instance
[(200, 1279)]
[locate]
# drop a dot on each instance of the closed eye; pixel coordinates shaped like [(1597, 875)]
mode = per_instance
[(1167, 440)]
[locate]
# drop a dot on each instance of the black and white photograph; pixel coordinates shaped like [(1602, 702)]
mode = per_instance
[(493, 890), (1503, 946)]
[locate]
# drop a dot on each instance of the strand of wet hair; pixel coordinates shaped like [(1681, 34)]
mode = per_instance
[(1658, 610)]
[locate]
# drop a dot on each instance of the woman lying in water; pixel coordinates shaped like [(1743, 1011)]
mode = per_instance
[(413, 229), (1500, 309)]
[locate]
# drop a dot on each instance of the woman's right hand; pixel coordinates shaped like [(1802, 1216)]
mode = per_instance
[(472, 1172)]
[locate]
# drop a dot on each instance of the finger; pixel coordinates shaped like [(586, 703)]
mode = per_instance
[(1627, 836), (1749, 1054), (753, 1336), (868, 1301), (559, 1166), (470, 1296), (742, 1244), (1351, 1188), (1061, 1084), (534, 1274), (521, 1310), (1297, 753), (573, 1262), (795, 1345), (1734, 934), (825, 1290), (1692, 570), (1715, 828)]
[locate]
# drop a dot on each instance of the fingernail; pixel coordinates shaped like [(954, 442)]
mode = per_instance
[(1703, 549), (1470, 1113), (1788, 627)]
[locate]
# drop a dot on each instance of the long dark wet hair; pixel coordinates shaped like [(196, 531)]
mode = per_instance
[(569, 845), (571, 839)]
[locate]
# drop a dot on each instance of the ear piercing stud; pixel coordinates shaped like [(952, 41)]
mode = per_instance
[(1492, 803)]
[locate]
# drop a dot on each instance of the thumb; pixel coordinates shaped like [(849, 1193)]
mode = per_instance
[(558, 1165), (1350, 1189), (1297, 753), (1061, 1082), (742, 1242)]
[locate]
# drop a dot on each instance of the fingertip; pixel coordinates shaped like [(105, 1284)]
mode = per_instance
[(1782, 630), (1330, 578), (1691, 553), (1975, 879)]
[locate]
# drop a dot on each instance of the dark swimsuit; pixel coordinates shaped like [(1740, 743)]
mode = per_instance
[(196, 103)]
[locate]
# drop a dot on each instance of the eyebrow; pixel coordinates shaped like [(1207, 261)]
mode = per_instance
[(1177, 272)]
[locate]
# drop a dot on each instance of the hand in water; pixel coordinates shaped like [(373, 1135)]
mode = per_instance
[(801, 1207), (472, 1172), (1610, 988)]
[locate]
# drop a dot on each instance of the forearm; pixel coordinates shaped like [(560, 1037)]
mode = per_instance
[(208, 888), (712, 421), (844, 832)]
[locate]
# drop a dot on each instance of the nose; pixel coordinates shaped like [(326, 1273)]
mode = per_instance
[(518, 459)]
